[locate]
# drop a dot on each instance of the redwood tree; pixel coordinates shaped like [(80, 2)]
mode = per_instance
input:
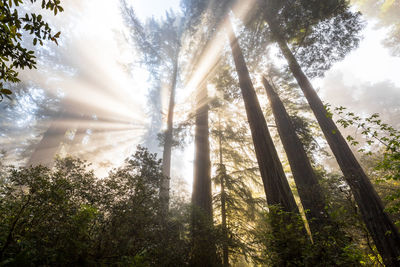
[(306, 181), (381, 228), (160, 45), (168, 141), (204, 252), (275, 183)]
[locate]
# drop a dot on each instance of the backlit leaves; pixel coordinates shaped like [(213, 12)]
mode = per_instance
[(13, 26)]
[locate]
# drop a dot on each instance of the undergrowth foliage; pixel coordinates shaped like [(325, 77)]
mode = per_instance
[(285, 243), (66, 216), (373, 137)]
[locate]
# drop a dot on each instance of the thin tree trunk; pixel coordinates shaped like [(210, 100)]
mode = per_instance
[(166, 166), (13, 225), (381, 228), (81, 128), (222, 170), (275, 183), (310, 192), (204, 251)]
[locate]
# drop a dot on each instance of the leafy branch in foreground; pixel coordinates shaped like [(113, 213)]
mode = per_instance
[(377, 135), (13, 54)]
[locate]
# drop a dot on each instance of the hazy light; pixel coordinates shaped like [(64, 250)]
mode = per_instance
[(154, 8), (90, 71)]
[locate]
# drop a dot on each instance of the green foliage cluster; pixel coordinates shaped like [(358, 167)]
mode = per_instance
[(13, 54), (285, 243), (241, 211), (376, 137), (234, 202), (347, 216), (65, 216), (320, 33)]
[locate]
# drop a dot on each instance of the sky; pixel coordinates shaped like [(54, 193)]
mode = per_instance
[(368, 80), (100, 74), (156, 8)]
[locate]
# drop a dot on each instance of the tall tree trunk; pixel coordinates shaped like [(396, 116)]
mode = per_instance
[(81, 128), (204, 251), (310, 192), (275, 183), (222, 173), (381, 228), (166, 166), (47, 148)]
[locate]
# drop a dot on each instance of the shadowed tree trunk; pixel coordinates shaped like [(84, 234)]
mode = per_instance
[(166, 166), (47, 148), (225, 250), (309, 190), (379, 225), (204, 251), (222, 173), (275, 183)]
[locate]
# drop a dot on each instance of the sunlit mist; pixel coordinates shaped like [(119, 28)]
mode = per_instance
[(91, 76)]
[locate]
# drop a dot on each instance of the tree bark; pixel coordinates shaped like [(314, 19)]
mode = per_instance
[(309, 190), (166, 166), (274, 180), (381, 228), (204, 250), (222, 173)]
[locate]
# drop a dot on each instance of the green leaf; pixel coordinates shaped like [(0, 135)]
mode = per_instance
[(5, 91)]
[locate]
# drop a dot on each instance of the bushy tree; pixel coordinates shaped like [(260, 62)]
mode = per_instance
[(66, 216), (46, 214)]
